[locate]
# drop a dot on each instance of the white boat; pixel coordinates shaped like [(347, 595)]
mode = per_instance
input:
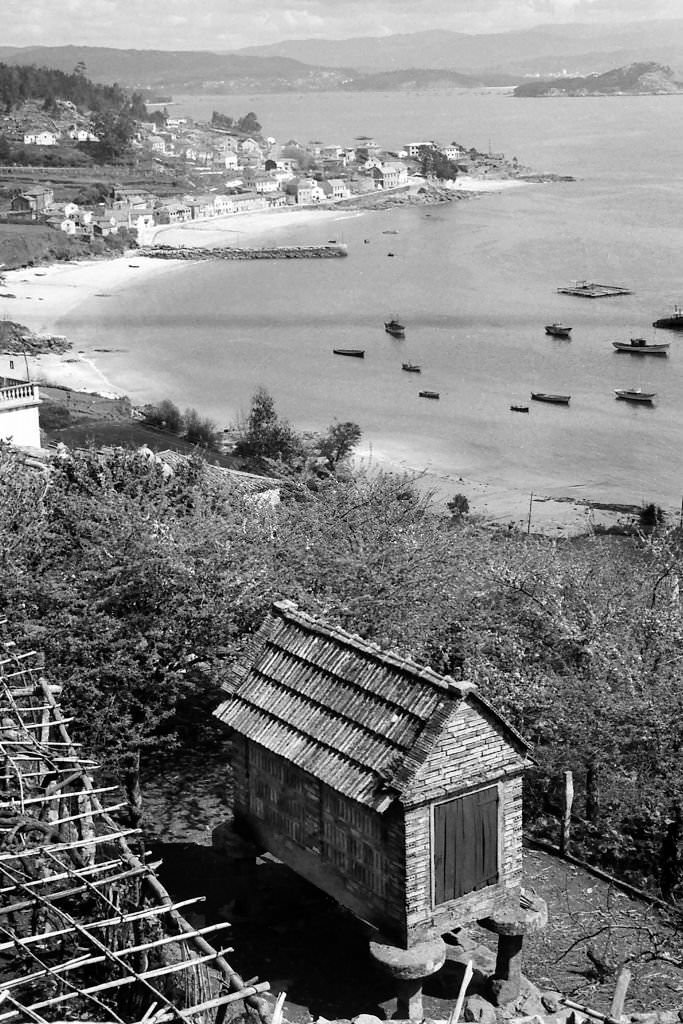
[(634, 394), (642, 347)]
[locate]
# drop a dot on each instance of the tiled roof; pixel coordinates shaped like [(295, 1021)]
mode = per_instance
[(360, 719)]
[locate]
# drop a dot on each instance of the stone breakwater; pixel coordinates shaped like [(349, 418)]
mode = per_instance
[(275, 252)]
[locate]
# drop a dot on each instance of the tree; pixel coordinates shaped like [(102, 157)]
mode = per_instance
[(249, 124), (114, 133), (303, 160), (199, 430), (222, 121), (265, 435), (339, 442), (165, 415)]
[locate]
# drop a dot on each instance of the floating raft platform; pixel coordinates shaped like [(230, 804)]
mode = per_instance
[(591, 290)]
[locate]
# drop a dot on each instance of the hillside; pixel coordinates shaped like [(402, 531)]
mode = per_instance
[(421, 78), (177, 70), (634, 80)]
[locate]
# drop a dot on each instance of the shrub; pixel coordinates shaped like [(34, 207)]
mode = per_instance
[(458, 506), (203, 432)]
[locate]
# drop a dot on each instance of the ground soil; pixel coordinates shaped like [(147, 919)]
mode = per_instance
[(292, 935)]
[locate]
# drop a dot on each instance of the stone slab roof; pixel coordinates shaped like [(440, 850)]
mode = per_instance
[(360, 719)]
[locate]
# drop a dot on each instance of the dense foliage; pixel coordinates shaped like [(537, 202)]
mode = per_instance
[(246, 125), (28, 82), (142, 589), (433, 164)]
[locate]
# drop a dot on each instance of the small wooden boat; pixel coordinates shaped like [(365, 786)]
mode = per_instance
[(519, 408), (390, 231), (542, 396), (673, 322), (634, 394), (390, 254), (558, 330), (411, 367), (642, 347), (394, 327), (357, 353), (429, 394)]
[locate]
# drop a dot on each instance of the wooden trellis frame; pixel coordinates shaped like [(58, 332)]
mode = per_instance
[(87, 930)]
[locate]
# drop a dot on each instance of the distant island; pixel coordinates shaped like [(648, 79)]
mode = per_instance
[(644, 78)]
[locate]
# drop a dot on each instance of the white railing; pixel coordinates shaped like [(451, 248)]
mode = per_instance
[(18, 392)]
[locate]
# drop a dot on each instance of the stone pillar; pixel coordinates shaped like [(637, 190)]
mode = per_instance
[(409, 968), (507, 978), (518, 916)]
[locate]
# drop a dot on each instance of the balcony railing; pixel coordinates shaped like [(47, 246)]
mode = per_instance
[(19, 393)]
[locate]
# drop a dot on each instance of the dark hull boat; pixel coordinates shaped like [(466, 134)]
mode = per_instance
[(519, 408), (429, 394), (671, 323), (558, 330), (542, 396), (395, 328), (357, 353), (634, 395), (411, 367)]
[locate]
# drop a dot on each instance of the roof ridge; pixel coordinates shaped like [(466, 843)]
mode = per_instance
[(288, 609)]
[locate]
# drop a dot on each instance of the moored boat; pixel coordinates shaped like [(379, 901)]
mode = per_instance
[(519, 408), (411, 367), (634, 394), (673, 322), (394, 327), (358, 353), (642, 347), (429, 394), (543, 396), (558, 330)]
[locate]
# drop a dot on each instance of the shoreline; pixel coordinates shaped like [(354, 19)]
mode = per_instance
[(44, 295)]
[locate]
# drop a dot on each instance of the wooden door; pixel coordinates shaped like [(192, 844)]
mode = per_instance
[(465, 844)]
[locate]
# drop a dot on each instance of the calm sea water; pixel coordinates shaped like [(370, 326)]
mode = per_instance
[(475, 282)]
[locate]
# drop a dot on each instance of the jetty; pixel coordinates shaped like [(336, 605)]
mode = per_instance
[(591, 290), (270, 252)]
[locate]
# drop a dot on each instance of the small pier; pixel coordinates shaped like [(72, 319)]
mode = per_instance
[(592, 290), (274, 252)]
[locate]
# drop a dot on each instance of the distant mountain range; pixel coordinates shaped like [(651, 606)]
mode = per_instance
[(635, 80), (446, 59), (578, 48)]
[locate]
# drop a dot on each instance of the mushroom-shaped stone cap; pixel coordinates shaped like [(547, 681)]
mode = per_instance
[(421, 960)]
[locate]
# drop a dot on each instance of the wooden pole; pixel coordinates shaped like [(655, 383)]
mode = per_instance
[(528, 524), (567, 812), (466, 978), (617, 1007)]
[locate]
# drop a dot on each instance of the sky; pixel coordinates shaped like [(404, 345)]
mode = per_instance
[(231, 24)]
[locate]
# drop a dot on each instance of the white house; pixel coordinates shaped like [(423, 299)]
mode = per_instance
[(340, 189), (413, 148), (19, 401), (40, 139)]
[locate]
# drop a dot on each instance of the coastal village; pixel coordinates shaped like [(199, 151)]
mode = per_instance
[(188, 171)]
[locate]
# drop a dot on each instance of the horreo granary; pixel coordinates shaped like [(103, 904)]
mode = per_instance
[(394, 789)]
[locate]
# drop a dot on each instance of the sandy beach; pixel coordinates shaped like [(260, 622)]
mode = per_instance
[(44, 295)]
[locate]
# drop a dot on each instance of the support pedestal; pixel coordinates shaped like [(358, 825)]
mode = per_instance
[(511, 922), (409, 968)]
